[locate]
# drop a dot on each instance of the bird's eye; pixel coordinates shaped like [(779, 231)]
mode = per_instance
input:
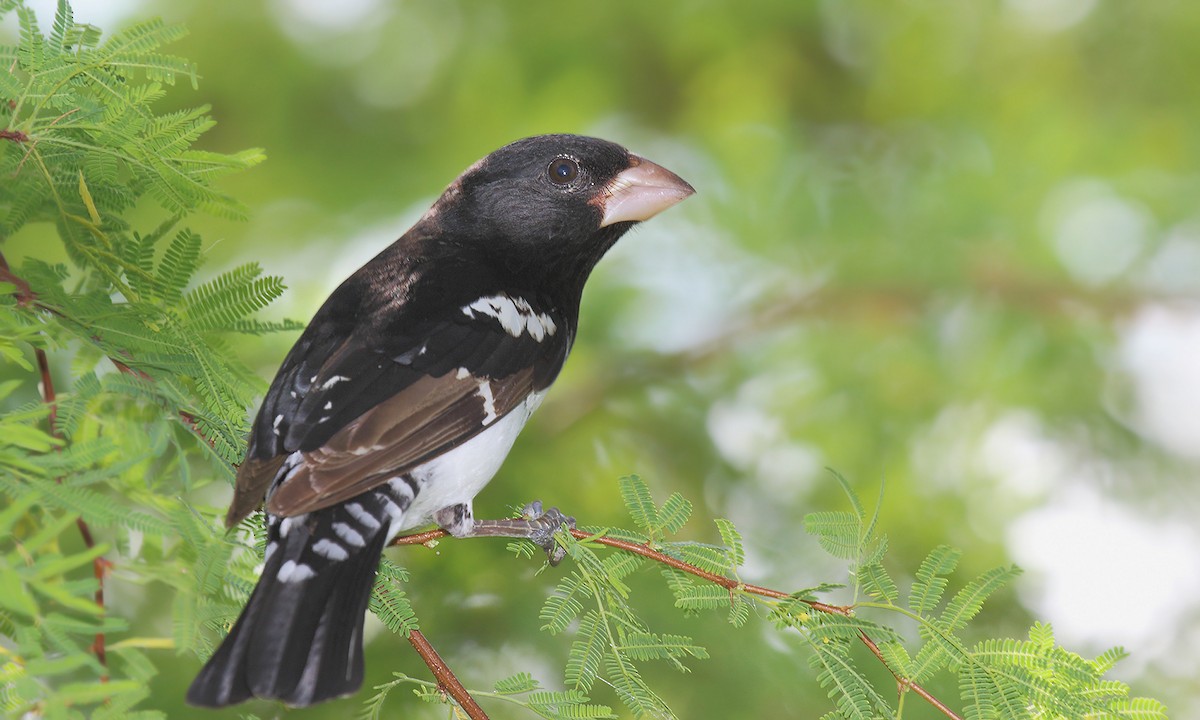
[(562, 171)]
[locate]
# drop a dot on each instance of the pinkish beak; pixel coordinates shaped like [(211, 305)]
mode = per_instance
[(641, 192)]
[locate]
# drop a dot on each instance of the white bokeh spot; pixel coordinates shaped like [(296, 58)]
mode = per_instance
[(1096, 233), (1104, 575), (1050, 15), (1160, 351)]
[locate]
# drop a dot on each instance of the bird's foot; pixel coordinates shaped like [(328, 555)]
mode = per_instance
[(534, 525)]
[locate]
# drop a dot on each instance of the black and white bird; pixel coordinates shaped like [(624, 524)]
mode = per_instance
[(403, 396)]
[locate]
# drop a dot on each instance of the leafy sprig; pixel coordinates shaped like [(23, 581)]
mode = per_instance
[(997, 678), (82, 133), (95, 468)]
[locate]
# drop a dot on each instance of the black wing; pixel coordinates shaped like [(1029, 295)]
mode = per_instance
[(356, 398)]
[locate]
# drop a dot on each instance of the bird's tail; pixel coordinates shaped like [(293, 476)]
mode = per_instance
[(299, 639)]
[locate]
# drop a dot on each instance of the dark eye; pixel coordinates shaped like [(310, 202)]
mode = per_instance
[(563, 170)]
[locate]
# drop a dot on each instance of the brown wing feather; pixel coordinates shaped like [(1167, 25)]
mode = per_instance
[(253, 479), (425, 419)]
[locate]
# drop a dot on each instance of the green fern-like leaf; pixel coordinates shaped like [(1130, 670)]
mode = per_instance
[(826, 627), (709, 558), (733, 540), (703, 597), (849, 690), (673, 514), (968, 601), (836, 531), (222, 302), (897, 658), (739, 611), (679, 582), (388, 601), (1140, 709), (988, 699), (251, 326), (178, 265), (632, 689), (587, 653), (929, 585), (848, 490), (649, 646), (522, 682), (619, 566), (390, 606), (877, 582), (938, 653), (562, 607), (569, 705), (63, 21), (96, 508), (32, 48), (1107, 660), (639, 503)]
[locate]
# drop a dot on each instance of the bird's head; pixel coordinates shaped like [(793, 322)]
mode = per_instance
[(555, 202)]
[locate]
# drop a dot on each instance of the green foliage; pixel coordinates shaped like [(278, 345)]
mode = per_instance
[(84, 141), (388, 601), (997, 678), (152, 403), (151, 398), (520, 689)]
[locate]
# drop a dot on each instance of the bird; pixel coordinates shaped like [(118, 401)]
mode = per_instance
[(401, 398)]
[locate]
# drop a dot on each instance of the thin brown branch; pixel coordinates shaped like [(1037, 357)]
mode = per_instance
[(24, 293), (15, 135), (730, 584), (188, 418), (100, 564), (907, 683), (446, 679), (422, 538), (727, 583)]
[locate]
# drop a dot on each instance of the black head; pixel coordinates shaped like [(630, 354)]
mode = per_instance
[(554, 203)]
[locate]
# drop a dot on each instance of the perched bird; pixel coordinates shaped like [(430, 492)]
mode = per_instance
[(405, 393)]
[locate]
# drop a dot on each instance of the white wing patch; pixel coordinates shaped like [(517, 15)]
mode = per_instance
[(332, 381), (515, 315), (489, 402)]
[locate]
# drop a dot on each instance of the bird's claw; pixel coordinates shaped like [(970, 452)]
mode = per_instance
[(543, 526)]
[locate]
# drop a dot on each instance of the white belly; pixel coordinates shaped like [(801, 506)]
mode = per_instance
[(457, 476)]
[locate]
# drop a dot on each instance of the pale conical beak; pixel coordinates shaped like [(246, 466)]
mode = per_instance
[(640, 192)]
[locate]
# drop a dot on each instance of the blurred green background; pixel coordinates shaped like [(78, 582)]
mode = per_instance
[(953, 246)]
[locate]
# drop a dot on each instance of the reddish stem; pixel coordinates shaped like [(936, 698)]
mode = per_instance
[(24, 293), (99, 565), (446, 679)]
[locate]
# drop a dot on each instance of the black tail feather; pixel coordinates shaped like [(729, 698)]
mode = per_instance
[(299, 641)]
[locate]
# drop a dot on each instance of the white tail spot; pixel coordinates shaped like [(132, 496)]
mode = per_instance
[(293, 571), (349, 534), (331, 550)]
